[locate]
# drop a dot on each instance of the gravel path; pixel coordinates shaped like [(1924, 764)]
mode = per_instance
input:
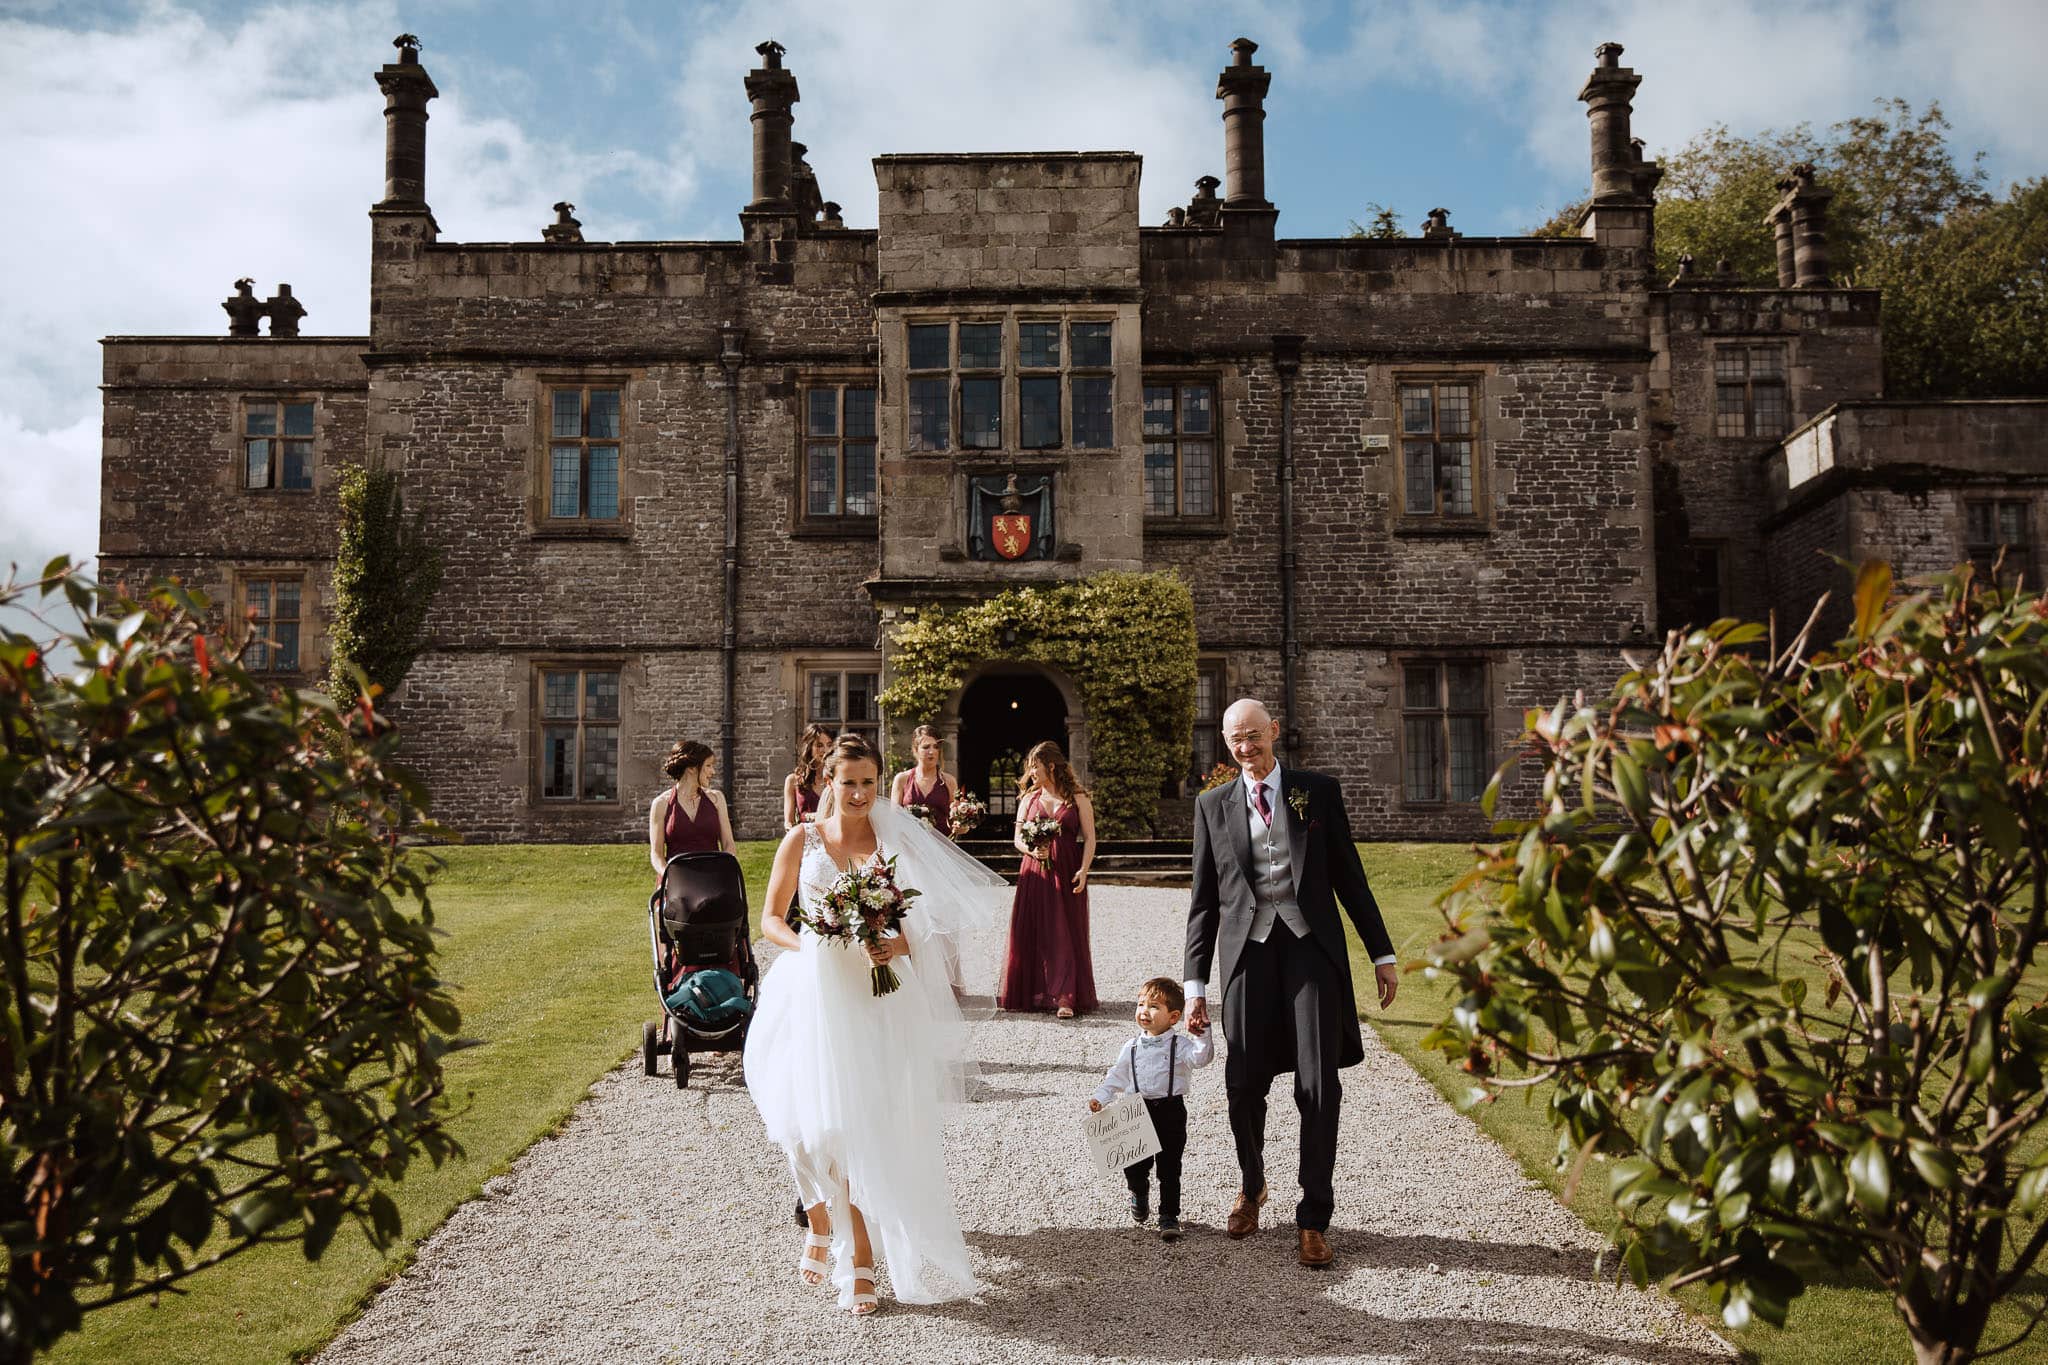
[(655, 1227)]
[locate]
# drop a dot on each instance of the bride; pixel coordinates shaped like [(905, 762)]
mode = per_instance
[(850, 1084)]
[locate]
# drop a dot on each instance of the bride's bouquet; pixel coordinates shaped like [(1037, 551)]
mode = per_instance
[(965, 813), (1038, 833), (864, 906)]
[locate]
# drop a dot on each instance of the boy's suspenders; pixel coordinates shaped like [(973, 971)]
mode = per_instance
[(1172, 1067)]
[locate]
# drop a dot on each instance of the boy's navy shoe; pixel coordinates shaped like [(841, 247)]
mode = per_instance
[(1141, 1208), (1169, 1228)]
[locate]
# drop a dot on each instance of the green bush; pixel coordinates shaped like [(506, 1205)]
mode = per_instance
[(1768, 947), (1126, 639), (222, 1026)]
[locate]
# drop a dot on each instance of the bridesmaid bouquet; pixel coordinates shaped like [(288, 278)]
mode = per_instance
[(917, 812), (965, 813), (1039, 832), (864, 906)]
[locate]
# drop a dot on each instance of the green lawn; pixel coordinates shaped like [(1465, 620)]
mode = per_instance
[(1839, 1323), (547, 949)]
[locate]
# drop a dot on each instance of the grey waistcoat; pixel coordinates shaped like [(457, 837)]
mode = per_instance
[(1273, 873)]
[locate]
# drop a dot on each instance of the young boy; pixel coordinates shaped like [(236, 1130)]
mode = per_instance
[(1158, 1064)]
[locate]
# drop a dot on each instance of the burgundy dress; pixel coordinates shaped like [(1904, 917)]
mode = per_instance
[(683, 834), (1050, 963), (938, 803), (806, 803)]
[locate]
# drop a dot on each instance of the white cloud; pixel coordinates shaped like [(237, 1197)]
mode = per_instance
[(160, 160), (890, 76), (43, 515)]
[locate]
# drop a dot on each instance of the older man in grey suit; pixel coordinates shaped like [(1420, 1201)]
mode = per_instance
[(1273, 858)]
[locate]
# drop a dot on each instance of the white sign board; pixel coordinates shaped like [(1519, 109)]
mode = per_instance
[(1120, 1133), (1377, 442)]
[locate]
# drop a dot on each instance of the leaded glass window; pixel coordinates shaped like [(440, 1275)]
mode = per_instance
[(839, 451), (273, 606), (1997, 533), (1443, 730), (844, 700), (1438, 444), (1749, 390), (1038, 411), (1180, 450), (583, 454), (579, 742), (277, 445)]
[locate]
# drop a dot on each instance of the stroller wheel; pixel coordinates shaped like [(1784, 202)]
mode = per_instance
[(647, 1048), (682, 1067)]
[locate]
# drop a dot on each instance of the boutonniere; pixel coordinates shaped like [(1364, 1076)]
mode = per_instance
[(1297, 801)]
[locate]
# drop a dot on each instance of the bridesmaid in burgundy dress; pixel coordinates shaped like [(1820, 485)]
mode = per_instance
[(690, 817), (927, 784), (802, 789), (1049, 964)]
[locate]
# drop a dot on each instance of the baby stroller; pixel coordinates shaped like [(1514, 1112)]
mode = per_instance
[(704, 972)]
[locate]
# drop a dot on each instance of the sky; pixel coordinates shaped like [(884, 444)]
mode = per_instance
[(159, 150)]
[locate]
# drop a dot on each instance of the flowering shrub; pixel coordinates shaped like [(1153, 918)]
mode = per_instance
[(1774, 948), (221, 1022)]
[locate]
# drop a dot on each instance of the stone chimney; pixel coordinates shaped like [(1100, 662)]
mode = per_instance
[(285, 312), (1437, 226), (1621, 212), (773, 92), (244, 309), (1246, 212), (565, 229), (1242, 88), (803, 184), (1609, 96), (1204, 209), (1799, 224), (407, 87)]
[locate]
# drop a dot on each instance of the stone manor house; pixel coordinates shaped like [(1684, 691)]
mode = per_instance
[(1415, 486)]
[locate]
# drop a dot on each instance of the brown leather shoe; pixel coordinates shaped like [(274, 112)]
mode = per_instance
[(1315, 1250), (1244, 1215)]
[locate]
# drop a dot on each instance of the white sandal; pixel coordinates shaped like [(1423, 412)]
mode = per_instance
[(806, 1266), (864, 1305)]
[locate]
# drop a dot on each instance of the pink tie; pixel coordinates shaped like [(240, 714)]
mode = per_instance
[(1259, 795)]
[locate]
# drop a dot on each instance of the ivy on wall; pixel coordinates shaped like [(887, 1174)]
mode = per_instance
[(385, 575), (1126, 639)]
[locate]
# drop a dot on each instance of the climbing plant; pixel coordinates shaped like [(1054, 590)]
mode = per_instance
[(1126, 639), (385, 576)]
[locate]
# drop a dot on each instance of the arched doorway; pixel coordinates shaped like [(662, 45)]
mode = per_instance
[(1001, 716)]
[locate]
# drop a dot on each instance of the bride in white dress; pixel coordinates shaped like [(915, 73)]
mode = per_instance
[(852, 1085)]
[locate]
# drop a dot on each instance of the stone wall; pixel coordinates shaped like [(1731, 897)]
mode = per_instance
[(1712, 487)]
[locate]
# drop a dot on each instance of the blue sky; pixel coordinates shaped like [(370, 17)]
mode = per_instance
[(167, 148)]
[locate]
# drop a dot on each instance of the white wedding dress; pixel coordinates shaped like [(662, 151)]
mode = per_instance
[(853, 1085)]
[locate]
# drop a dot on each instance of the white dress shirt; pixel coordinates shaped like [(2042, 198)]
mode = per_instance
[(1141, 1065), (1199, 990)]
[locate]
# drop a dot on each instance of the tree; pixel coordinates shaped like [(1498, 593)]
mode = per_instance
[(1768, 948), (221, 1025), (1966, 303), (1383, 224), (1894, 176), (1964, 275), (386, 573)]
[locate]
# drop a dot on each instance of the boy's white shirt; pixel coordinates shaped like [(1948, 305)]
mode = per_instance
[(1186, 1051)]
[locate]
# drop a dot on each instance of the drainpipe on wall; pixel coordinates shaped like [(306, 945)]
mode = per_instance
[(731, 352), (1287, 360)]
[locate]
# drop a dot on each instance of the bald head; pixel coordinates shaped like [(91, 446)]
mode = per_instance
[(1250, 731), (1249, 710)]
